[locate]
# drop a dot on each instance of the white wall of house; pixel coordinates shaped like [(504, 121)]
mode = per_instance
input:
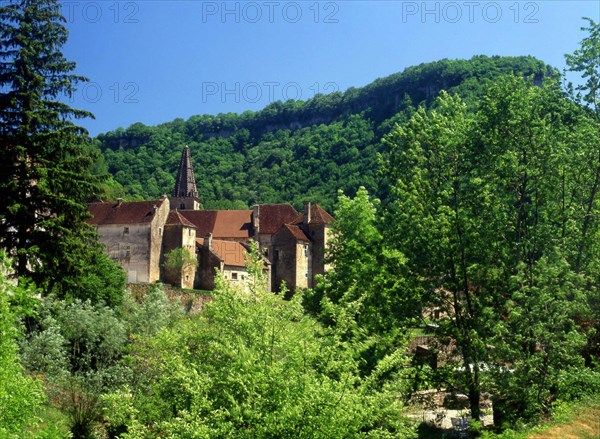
[(129, 245)]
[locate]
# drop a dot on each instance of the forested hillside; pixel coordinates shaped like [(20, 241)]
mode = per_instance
[(295, 150)]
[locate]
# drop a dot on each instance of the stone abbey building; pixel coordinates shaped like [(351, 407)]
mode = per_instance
[(138, 235)]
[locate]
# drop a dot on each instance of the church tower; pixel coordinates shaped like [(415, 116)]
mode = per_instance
[(185, 194)]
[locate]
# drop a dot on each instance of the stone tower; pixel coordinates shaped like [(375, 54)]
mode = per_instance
[(185, 194)]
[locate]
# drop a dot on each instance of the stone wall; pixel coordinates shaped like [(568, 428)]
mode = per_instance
[(208, 262), (291, 262), (155, 240), (129, 245)]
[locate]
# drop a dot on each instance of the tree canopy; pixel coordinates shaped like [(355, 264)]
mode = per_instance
[(45, 158)]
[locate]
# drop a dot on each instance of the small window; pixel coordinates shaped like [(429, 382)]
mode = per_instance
[(126, 230), (306, 250), (234, 276), (189, 232), (182, 206), (126, 252), (187, 277), (160, 231)]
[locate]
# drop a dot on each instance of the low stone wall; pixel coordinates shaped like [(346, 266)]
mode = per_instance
[(192, 302)]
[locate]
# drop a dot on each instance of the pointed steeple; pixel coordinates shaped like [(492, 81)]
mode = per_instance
[(185, 193)]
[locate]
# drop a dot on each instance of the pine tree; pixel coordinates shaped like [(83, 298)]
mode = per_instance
[(44, 159)]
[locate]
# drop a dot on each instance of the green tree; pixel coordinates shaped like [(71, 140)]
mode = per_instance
[(488, 209), (44, 160), (152, 314), (78, 347), (367, 295), (586, 61), (431, 218), (20, 395), (177, 262)]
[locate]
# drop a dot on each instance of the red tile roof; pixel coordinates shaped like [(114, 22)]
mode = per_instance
[(176, 219), (134, 212), (232, 253), (296, 232), (318, 215), (272, 216), (221, 223)]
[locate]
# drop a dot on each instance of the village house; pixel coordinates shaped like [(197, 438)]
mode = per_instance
[(132, 234), (139, 234)]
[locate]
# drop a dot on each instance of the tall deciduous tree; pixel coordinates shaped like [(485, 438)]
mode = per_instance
[(44, 159), (433, 224), (367, 295), (490, 212), (586, 61)]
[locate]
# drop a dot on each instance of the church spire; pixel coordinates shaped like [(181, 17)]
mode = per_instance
[(185, 193)]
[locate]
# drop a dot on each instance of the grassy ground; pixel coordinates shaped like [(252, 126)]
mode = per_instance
[(584, 425)]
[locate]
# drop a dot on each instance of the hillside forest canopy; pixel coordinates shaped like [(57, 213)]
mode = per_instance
[(468, 189)]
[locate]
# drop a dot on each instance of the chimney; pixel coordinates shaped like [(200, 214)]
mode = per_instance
[(154, 209), (255, 220), (119, 201), (307, 217), (208, 241)]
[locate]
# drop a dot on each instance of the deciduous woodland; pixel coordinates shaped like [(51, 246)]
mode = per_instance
[(464, 259)]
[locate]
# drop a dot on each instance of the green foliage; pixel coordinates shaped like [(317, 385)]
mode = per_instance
[(77, 348), (20, 395), (578, 383), (152, 314), (489, 209), (103, 282), (177, 261), (367, 296), (586, 61), (44, 160), (251, 365)]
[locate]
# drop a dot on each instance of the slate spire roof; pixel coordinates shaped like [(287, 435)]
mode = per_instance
[(185, 184)]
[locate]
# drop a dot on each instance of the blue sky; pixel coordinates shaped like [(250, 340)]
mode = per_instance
[(154, 61)]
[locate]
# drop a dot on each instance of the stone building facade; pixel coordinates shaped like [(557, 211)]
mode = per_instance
[(179, 233), (133, 235), (139, 234)]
